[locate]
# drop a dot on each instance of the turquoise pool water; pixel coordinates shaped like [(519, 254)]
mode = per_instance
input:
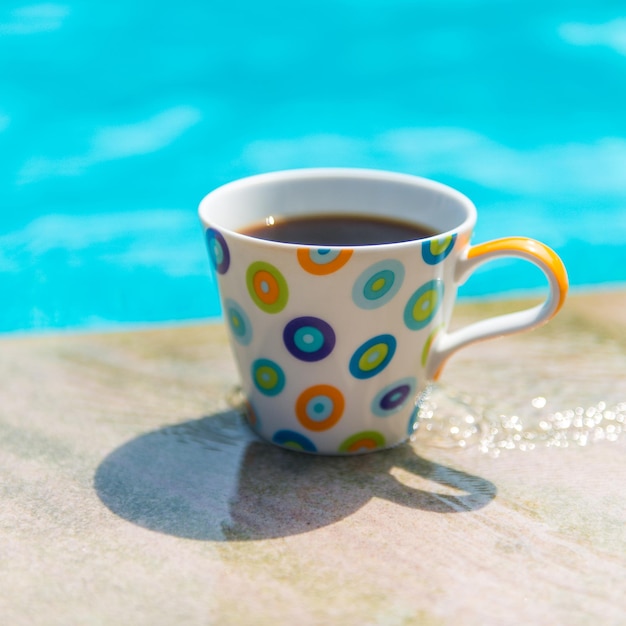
[(116, 118)]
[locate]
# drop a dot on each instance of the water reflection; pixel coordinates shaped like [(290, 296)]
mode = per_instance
[(212, 479), (451, 419)]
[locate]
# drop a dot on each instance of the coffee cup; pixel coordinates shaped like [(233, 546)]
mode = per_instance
[(339, 324)]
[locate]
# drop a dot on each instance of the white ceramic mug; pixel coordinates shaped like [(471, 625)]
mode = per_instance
[(336, 345)]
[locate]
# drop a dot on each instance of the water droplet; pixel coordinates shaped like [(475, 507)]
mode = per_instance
[(539, 402)]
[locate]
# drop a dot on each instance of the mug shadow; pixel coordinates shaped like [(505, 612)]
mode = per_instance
[(213, 479)]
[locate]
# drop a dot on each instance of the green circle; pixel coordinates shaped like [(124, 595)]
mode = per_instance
[(276, 302), (371, 440), (423, 305), (439, 246), (373, 357), (268, 377)]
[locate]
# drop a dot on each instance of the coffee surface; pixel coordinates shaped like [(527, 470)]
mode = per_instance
[(337, 230)]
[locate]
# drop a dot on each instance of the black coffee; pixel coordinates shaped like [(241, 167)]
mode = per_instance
[(337, 230)]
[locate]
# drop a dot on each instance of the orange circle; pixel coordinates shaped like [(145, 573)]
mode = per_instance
[(272, 291), (250, 414), (327, 392), (321, 269)]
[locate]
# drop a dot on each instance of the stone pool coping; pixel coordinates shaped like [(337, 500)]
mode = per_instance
[(133, 493)]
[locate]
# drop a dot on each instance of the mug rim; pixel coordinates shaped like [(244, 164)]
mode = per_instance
[(345, 173)]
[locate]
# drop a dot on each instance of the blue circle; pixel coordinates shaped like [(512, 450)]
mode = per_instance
[(393, 397), (309, 338), (373, 356), (436, 250), (292, 439), (413, 419), (423, 305), (218, 251), (268, 377), (378, 284), (238, 322)]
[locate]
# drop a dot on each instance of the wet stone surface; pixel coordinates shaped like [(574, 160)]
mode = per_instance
[(134, 492)]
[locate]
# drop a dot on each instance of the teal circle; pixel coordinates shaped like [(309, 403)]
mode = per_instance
[(373, 356), (238, 322), (268, 377), (218, 252), (308, 339), (434, 251), (294, 440), (413, 420), (423, 305), (378, 284)]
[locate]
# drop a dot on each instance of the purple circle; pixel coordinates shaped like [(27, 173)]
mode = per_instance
[(395, 397), (218, 250), (309, 338)]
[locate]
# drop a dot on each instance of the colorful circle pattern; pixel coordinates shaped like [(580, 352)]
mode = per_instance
[(323, 261), (267, 287), (378, 284), (365, 441), (218, 251), (428, 344), (436, 250), (373, 356), (314, 409), (238, 322), (251, 415), (393, 397), (268, 377), (413, 420), (294, 440), (320, 407), (423, 305), (309, 338)]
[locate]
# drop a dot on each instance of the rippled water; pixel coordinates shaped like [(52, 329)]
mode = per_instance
[(107, 144)]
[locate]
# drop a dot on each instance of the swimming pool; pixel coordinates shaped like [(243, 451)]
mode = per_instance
[(116, 118)]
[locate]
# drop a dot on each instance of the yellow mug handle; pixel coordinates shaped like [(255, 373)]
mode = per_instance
[(445, 344)]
